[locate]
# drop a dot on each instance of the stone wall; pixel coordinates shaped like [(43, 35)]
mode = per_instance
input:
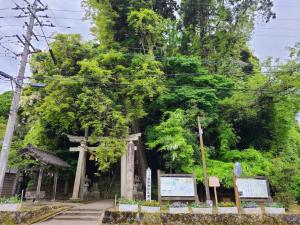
[(29, 215), (122, 218)]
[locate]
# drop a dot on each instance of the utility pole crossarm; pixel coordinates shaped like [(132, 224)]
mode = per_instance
[(5, 75)]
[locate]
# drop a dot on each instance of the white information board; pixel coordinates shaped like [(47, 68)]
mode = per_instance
[(252, 188), (177, 187)]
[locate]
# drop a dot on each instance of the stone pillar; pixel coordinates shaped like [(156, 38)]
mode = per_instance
[(127, 167), (130, 170), (78, 175), (82, 180)]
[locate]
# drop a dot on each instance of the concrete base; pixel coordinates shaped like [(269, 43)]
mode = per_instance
[(10, 207), (179, 210), (202, 210), (122, 218)]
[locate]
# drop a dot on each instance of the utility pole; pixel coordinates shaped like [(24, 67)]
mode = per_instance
[(16, 98), (203, 160)]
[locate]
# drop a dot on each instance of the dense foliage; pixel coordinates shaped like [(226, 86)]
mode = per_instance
[(156, 65), (5, 100)]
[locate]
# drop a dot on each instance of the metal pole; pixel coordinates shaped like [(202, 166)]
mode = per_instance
[(15, 102), (203, 161)]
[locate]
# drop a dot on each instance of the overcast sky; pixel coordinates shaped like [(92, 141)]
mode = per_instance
[(269, 39)]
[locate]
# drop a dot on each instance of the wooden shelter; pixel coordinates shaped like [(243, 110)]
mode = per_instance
[(44, 158)]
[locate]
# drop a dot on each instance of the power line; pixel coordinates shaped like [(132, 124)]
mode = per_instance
[(61, 78), (276, 36), (205, 62), (109, 87), (67, 10), (276, 28)]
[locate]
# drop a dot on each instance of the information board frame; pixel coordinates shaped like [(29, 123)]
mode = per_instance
[(268, 199), (176, 198)]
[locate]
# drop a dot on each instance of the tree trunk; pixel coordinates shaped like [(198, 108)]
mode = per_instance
[(141, 154)]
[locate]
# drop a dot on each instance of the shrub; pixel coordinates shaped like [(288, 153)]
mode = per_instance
[(296, 187), (11, 200), (226, 204), (285, 198), (249, 205), (178, 205), (274, 205), (200, 205), (149, 203), (127, 201)]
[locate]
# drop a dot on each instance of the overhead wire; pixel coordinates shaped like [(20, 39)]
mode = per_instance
[(132, 48), (115, 86), (172, 75)]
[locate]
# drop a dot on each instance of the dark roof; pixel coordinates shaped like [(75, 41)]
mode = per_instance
[(44, 157)]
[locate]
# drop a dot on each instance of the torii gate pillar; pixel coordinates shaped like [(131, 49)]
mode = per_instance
[(80, 172)]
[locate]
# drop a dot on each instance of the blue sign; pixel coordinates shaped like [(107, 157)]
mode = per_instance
[(238, 169)]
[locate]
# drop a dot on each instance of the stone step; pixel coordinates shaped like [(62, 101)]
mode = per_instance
[(76, 218), (78, 209), (75, 213)]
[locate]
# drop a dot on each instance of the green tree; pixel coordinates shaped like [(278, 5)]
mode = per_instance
[(148, 26), (105, 91), (173, 137), (5, 102), (219, 30)]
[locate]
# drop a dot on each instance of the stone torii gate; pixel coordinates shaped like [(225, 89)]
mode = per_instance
[(127, 165)]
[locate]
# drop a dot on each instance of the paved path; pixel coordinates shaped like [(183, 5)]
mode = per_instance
[(82, 214)]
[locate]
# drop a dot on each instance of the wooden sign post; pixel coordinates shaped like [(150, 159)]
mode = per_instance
[(237, 172), (214, 182), (203, 160)]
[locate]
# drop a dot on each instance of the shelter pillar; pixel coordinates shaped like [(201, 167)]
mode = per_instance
[(55, 183), (39, 184), (66, 186)]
